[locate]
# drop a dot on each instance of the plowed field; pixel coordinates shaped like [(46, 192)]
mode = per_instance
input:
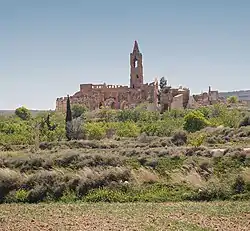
[(133, 216)]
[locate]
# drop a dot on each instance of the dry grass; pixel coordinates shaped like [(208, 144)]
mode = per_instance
[(86, 165), (224, 216)]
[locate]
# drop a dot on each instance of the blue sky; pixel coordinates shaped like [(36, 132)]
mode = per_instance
[(49, 47)]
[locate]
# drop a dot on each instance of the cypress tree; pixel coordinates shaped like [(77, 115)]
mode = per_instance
[(68, 120), (68, 113)]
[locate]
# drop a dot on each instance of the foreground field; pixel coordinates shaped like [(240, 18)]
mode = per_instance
[(132, 216)]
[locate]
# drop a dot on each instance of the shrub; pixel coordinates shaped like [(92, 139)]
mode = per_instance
[(21, 195), (68, 196), (133, 163), (245, 121), (95, 130), (9, 180), (206, 111), (232, 99), (128, 115), (106, 195), (57, 121), (228, 164), (127, 129), (16, 132), (179, 138), (78, 110), (94, 180), (232, 118), (221, 115), (75, 131), (165, 127), (149, 193), (175, 113), (37, 194), (148, 116), (241, 197), (196, 140), (23, 113), (107, 115), (238, 185), (195, 121), (77, 160), (167, 164), (212, 191)]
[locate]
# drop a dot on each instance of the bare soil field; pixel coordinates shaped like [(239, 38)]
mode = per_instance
[(186, 216)]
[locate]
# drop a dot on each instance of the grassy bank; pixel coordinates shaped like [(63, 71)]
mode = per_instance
[(125, 155), (126, 170)]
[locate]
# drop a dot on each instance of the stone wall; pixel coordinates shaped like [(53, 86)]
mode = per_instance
[(214, 96), (207, 98), (192, 104), (177, 102), (94, 96), (174, 98), (114, 96)]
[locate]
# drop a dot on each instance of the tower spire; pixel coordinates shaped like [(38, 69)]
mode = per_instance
[(136, 47), (136, 67)]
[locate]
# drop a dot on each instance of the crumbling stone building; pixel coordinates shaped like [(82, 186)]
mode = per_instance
[(174, 98), (207, 98), (95, 96), (116, 96)]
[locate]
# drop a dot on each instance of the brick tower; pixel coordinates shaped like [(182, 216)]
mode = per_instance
[(136, 67)]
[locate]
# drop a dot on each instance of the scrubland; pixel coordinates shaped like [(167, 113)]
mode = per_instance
[(192, 167)]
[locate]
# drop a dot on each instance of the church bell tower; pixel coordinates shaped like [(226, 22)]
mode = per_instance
[(136, 68)]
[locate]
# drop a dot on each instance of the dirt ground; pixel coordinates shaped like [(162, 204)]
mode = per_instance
[(186, 216)]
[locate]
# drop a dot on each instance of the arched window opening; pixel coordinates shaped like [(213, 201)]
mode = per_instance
[(136, 63)]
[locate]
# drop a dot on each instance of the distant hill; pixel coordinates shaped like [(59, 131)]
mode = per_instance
[(241, 94), (12, 112)]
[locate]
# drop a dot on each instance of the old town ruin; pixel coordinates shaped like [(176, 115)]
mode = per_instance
[(94, 96)]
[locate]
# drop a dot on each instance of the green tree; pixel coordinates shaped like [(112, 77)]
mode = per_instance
[(128, 115), (95, 130), (107, 115), (51, 127), (163, 83), (23, 113), (78, 110), (221, 115), (206, 111), (232, 99), (16, 132), (195, 121)]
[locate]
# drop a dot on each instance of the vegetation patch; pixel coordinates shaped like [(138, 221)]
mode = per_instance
[(130, 155)]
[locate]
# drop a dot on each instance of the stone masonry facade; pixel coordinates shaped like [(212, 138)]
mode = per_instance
[(95, 96), (116, 96)]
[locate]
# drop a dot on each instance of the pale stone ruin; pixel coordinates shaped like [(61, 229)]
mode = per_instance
[(116, 96), (121, 97)]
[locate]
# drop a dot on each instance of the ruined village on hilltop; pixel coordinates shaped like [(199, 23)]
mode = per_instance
[(94, 96)]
